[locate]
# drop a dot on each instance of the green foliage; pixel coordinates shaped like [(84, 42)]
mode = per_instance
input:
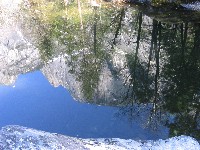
[(47, 48), (185, 124), (79, 29)]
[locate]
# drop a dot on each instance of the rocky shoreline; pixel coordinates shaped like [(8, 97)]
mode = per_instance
[(18, 137)]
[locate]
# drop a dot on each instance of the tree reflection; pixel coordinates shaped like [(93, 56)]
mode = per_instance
[(63, 31), (175, 87), (160, 72), (181, 94)]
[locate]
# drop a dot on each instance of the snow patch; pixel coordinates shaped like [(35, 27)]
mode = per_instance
[(193, 6), (17, 137)]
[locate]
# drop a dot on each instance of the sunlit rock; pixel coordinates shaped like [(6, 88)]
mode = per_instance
[(10, 4), (17, 56), (17, 137), (93, 3), (58, 74)]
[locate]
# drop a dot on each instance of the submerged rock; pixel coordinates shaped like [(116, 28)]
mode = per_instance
[(17, 137)]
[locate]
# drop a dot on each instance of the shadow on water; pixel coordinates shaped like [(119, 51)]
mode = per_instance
[(145, 60)]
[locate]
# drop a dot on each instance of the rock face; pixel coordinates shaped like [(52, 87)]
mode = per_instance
[(17, 54), (17, 137), (108, 90), (57, 73), (17, 58)]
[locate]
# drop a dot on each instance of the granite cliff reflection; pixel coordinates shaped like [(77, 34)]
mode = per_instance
[(109, 56)]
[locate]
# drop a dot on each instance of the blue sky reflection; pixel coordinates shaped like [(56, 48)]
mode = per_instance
[(33, 102)]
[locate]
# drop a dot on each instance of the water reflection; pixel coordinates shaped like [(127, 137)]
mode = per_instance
[(110, 55)]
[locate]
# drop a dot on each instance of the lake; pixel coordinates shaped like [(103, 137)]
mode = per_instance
[(100, 70)]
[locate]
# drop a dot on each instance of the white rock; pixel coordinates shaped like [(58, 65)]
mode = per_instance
[(17, 137)]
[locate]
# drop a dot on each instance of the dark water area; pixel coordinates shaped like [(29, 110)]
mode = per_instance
[(100, 70)]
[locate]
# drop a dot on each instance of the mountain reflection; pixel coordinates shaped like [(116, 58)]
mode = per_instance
[(109, 55)]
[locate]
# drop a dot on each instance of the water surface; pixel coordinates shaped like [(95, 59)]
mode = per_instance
[(99, 71)]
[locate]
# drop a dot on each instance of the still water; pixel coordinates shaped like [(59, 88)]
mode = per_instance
[(99, 71), (33, 102)]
